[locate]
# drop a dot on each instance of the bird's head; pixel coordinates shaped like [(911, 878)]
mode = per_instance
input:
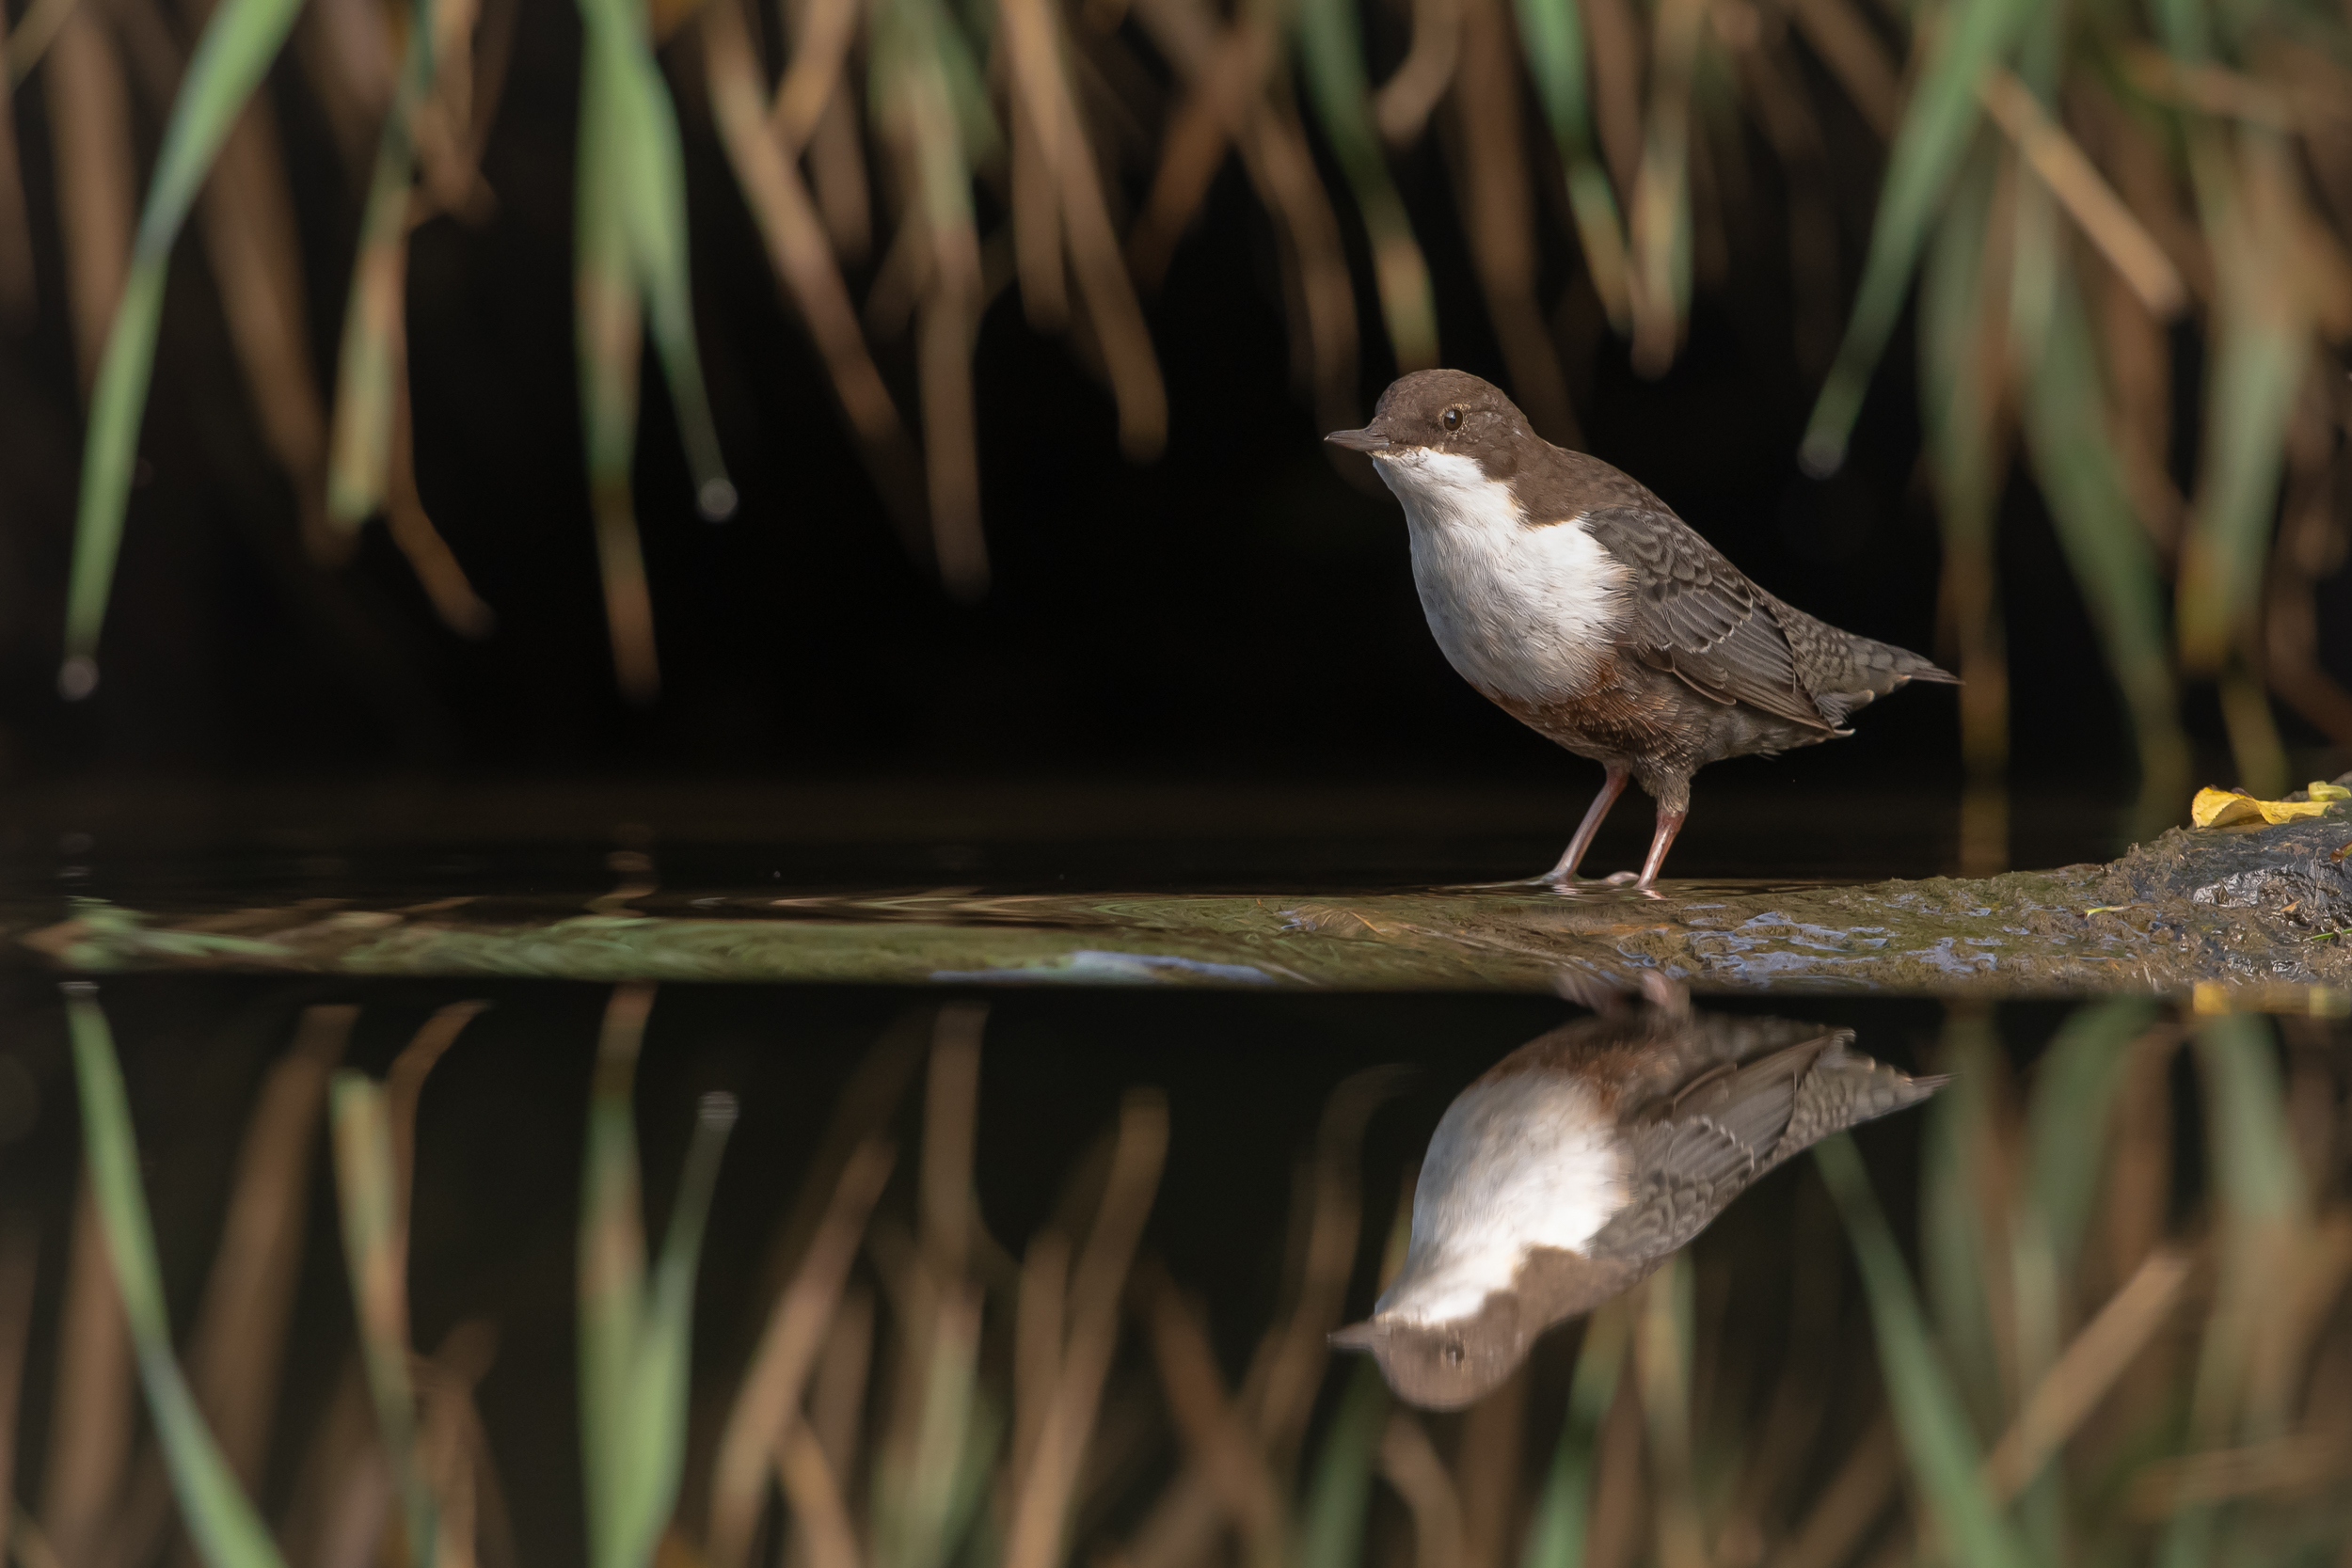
[(1451, 412), (1445, 1365)]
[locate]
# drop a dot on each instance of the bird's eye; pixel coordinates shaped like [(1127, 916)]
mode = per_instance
[(1453, 1347), (1452, 418)]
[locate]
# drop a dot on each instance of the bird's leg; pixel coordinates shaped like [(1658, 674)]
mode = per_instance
[(1612, 786), (1669, 824)]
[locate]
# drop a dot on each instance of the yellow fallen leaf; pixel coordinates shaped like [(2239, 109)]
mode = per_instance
[(2225, 808), (2329, 792)]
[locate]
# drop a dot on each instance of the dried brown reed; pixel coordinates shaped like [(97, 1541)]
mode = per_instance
[(19, 1261), (18, 292), (89, 123), (90, 1434), (2072, 191)]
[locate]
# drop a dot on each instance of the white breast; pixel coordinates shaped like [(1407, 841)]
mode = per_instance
[(1529, 1160), (1520, 611)]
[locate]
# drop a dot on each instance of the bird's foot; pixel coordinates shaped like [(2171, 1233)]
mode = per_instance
[(1633, 882), (1569, 881), (1569, 884), (1515, 884)]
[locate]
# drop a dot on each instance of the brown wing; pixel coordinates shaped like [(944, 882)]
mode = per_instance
[(1696, 616), (1693, 1154), (1843, 1089)]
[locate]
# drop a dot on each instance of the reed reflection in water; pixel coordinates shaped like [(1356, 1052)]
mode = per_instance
[(400, 1270)]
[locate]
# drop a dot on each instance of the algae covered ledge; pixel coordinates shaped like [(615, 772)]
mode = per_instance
[(2262, 906)]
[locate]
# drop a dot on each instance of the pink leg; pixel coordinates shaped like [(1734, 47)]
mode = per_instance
[(1612, 786), (1669, 824)]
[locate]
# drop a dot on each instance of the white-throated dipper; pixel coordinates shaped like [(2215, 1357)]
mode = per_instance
[(1582, 1161), (1580, 604)]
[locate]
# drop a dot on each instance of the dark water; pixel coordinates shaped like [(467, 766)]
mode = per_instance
[(499, 1131), (1247, 1079)]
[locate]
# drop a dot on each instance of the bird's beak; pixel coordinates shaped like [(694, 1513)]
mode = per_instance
[(1358, 440), (1363, 1336)]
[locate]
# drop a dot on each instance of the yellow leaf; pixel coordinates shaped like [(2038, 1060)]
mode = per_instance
[(2219, 808), (2287, 810), (2225, 808), (2329, 792)]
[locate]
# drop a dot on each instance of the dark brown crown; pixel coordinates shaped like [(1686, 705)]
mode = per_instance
[(1416, 409)]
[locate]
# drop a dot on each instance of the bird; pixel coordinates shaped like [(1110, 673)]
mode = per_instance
[(1575, 601), (1583, 1160)]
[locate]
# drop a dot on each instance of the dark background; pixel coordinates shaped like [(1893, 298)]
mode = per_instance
[(1236, 611)]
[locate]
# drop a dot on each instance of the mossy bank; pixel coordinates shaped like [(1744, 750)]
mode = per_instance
[(2237, 908)]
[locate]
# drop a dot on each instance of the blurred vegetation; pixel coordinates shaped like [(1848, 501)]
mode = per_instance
[(2128, 227), (2128, 1343)]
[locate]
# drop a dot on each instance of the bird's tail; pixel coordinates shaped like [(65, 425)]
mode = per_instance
[(1846, 1087), (1858, 672)]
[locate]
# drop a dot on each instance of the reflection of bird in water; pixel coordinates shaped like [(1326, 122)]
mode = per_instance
[(1579, 1163)]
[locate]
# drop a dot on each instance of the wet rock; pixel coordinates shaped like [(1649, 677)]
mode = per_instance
[(2295, 870), (2239, 907)]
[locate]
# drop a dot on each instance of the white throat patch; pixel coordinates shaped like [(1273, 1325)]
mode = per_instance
[(1520, 611), (1526, 1162)]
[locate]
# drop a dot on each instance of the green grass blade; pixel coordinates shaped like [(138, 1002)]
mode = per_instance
[(2073, 1093), (1661, 219), (1938, 122), (611, 1284), (642, 167), (2261, 340), (1562, 1521), (2254, 1171), (927, 1512), (2183, 27), (2258, 346), (1955, 1233), (2262, 1225), (118, 401), (1662, 1334), (2037, 1326), (374, 1252), (2258, 367), (662, 1361), (220, 1518), (605, 279), (922, 101), (962, 77), (1961, 386), (1551, 39), (1956, 392), (609, 324), (360, 446), (1332, 55), (1339, 1496), (635, 1344), (1942, 1452), (961, 1519), (238, 45), (918, 1484), (2081, 475)]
